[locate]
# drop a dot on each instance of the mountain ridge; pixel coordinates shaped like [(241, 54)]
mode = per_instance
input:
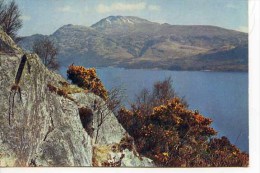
[(111, 20), (132, 42)]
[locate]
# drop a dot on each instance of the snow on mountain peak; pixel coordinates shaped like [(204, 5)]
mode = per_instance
[(118, 20)]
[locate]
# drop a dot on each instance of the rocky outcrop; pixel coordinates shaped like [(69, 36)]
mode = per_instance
[(41, 126), (7, 45), (45, 128)]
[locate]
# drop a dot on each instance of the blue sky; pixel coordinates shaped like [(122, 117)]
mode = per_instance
[(46, 16)]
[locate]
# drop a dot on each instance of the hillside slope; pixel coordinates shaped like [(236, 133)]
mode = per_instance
[(132, 42)]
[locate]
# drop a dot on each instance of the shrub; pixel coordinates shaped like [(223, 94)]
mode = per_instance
[(223, 153), (174, 136), (87, 79), (115, 99)]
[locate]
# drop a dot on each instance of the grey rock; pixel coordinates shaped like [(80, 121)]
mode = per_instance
[(114, 158), (130, 160), (110, 131), (45, 128)]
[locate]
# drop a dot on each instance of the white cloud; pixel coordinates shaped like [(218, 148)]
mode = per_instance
[(102, 8), (154, 7), (65, 9), (243, 29), (25, 17)]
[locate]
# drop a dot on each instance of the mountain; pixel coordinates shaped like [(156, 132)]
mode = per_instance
[(27, 42), (132, 42), (119, 23)]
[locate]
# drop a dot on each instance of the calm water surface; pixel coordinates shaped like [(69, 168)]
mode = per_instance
[(222, 96)]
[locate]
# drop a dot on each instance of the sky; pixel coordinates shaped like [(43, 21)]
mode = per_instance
[(46, 16)]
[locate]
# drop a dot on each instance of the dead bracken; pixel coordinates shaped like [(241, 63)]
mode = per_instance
[(59, 91)]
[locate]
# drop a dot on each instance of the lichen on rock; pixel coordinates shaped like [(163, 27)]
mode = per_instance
[(45, 127)]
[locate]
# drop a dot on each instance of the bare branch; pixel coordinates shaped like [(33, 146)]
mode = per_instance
[(47, 51), (10, 18)]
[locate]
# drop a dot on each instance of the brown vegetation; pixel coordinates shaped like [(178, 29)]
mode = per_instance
[(60, 91), (113, 163), (165, 130), (87, 79)]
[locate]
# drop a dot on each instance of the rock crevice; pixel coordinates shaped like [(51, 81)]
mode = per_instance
[(46, 128)]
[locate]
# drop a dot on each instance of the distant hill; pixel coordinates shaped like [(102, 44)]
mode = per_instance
[(132, 42), (27, 42)]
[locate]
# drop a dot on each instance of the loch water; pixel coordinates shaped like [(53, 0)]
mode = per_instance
[(221, 96)]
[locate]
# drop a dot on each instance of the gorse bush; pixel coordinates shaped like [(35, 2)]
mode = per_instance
[(87, 79), (224, 153), (165, 130)]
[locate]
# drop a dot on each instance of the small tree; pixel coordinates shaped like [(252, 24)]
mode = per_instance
[(115, 99), (161, 93), (10, 20), (163, 90), (47, 51)]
